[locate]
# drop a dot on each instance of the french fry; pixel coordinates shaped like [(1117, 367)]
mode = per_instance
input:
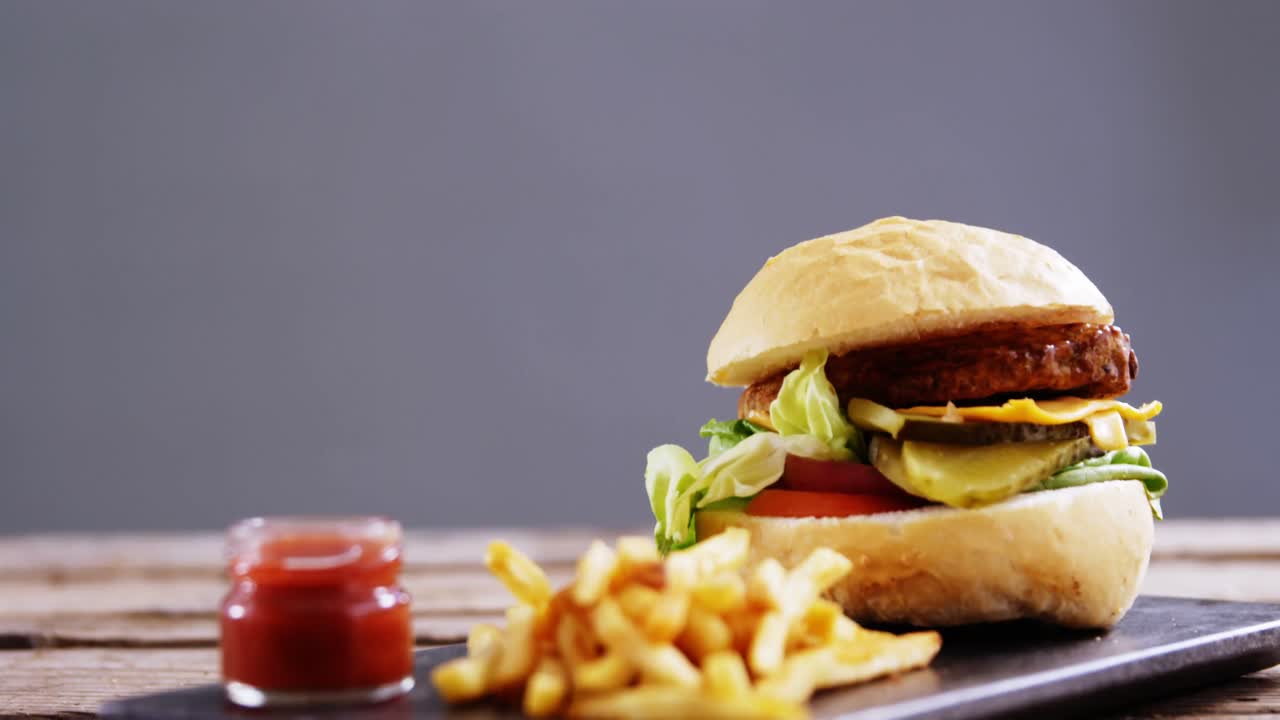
[(482, 639), (704, 633), (873, 655), (637, 601), (721, 593), (667, 617), (547, 689), (724, 675), (524, 579), (651, 575), (573, 641), (666, 665), (799, 675), (663, 702), (742, 623), (818, 626), (769, 643), (806, 581), (548, 616), (845, 630), (799, 590), (717, 554), (636, 637), (637, 550), (517, 654), (659, 663), (595, 571), (607, 672), (768, 584), (638, 564), (462, 679), (876, 654)]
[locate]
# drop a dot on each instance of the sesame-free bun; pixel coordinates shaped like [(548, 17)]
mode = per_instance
[(1073, 557), (894, 280)]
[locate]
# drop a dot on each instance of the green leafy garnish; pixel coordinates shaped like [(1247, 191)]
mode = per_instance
[(669, 472), (754, 464), (1131, 463), (678, 487), (744, 458), (807, 403), (724, 434)]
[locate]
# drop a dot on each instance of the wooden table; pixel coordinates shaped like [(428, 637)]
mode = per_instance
[(88, 618)]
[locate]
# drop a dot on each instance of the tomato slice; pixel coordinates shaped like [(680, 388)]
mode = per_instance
[(802, 473), (800, 503)]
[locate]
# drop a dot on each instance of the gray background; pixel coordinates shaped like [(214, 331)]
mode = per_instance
[(459, 262)]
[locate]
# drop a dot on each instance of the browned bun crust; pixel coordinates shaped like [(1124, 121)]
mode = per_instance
[(1074, 557)]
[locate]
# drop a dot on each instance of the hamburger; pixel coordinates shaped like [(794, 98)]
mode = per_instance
[(938, 402)]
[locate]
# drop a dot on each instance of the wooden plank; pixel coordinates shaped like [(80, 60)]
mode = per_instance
[(73, 555), (63, 683), (462, 589), (467, 590), (1239, 538), (1246, 580), (476, 590), (161, 631), (139, 610), (182, 613), (68, 555)]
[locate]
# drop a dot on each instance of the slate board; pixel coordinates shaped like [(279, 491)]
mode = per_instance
[(1163, 646)]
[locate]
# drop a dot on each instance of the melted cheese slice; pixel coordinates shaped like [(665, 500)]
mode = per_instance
[(1109, 421)]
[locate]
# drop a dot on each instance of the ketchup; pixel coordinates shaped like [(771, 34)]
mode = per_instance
[(315, 612)]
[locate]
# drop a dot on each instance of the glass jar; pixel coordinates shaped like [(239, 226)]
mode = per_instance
[(315, 613)]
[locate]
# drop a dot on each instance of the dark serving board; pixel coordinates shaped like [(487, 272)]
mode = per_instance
[(1163, 646)]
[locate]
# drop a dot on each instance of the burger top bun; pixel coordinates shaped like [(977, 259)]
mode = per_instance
[(895, 280)]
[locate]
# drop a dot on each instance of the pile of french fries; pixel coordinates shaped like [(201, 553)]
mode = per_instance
[(634, 636)]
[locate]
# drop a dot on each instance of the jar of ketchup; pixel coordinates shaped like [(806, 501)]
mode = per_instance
[(315, 613)]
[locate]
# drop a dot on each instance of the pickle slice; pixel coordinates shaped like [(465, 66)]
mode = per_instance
[(987, 433), (972, 475)]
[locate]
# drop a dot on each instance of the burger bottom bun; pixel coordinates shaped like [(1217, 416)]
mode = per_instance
[(1073, 557)]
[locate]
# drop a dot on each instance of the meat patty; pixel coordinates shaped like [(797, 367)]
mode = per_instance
[(988, 366)]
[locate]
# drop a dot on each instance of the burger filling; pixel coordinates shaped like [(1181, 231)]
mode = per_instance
[(980, 368), (964, 422)]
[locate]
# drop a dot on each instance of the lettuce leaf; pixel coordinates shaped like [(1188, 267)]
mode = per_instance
[(677, 486), (669, 472), (744, 458), (724, 434), (754, 464), (807, 404), (1131, 463)]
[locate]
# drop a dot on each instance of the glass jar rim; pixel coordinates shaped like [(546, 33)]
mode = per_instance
[(349, 540)]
